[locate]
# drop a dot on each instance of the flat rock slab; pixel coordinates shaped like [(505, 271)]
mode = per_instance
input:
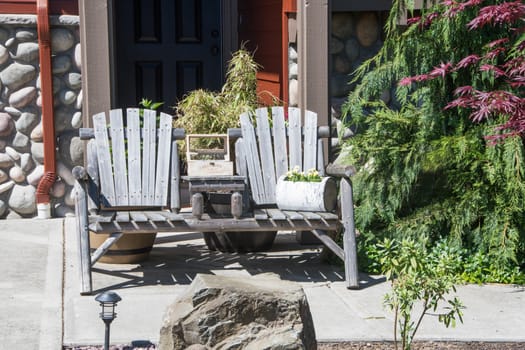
[(224, 312)]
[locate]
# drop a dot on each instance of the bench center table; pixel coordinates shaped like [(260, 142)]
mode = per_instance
[(205, 185)]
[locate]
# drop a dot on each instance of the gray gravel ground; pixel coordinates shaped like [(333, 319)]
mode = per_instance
[(423, 346), (358, 346)]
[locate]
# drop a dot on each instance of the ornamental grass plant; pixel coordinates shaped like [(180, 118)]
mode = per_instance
[(208, 112)]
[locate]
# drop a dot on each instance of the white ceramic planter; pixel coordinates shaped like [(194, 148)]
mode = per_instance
[(306, 196)]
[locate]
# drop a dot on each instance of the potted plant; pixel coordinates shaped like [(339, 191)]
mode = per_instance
[(306, 191)]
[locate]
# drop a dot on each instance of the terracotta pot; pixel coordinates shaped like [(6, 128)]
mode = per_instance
[(129, 249)]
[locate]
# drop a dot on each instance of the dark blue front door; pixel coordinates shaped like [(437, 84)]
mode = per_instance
[(165, 48)]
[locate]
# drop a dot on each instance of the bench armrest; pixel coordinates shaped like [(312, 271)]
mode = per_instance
[(340, 170)]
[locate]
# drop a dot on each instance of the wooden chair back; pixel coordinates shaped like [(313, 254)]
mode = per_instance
[(133, 162), (276, 145)]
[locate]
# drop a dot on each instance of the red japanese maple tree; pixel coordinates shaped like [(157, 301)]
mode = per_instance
[(502, 61)]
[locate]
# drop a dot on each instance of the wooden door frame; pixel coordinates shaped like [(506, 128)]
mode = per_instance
[(96, 37)]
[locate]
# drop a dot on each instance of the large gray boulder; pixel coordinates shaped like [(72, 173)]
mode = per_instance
[(220, 312)]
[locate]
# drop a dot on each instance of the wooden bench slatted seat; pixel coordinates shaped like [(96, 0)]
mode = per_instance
[(131, 181)]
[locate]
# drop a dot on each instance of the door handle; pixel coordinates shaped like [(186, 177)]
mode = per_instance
[(214, 50)]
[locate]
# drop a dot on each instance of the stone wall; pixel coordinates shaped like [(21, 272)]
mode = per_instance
[(21, 139), (355, 37)]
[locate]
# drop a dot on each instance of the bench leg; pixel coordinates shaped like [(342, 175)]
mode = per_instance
[(236, 205), (349, 241), (84, 258), (197, 205)]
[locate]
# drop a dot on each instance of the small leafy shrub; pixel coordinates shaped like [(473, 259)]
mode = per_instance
[(419, 276), (149, 104), (469, 266), (478, 268)]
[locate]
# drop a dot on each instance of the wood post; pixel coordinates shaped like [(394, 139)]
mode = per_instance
[(349, 241), (197, 205), (236, 205)]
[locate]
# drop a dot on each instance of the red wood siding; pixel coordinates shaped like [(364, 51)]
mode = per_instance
[(260, 29), (56, 7)]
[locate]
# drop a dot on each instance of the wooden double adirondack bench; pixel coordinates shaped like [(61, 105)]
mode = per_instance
[(131, 182)]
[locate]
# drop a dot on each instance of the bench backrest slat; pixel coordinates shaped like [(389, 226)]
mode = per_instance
[(134, 156), (107, 186), (175, 177), (310, 141), (118, 151), (279, 141), (294, 138), (266, 153), (163, 159), (149, 157), (92, 170), (252, 158)]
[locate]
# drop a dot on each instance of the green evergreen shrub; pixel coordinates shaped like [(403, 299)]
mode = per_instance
[(430, 171)]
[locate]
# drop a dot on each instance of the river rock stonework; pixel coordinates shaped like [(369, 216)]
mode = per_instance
[(355, 37), (21, 138), (225, 312)]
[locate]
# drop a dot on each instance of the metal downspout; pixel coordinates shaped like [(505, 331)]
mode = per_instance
[(48, 118)]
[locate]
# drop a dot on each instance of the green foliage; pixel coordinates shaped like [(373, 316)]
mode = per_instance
[(149, 104), (429, 172), (419, 276), (208, 112)]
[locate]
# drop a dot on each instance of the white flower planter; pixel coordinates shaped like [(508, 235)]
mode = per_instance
[(306, 196)]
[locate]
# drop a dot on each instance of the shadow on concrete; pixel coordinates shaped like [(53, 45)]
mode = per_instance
[(176, 260)]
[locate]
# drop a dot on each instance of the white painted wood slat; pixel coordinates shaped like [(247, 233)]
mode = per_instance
[(122, 216), (320, 157), (107, 190), (175, 177), (138, 216), (240, 159), (134, 158), (276, 214), (155, 216), (148, 157), (118, 151), (310, 141), (252, 159), (294, 138), (279, 141), (92, 170), (266, 153), (163, 160)]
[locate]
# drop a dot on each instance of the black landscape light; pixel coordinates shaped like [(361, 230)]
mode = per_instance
[(108, 301)]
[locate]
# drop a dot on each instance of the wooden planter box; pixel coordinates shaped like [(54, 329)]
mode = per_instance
[(306, 196), (210, 161)]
